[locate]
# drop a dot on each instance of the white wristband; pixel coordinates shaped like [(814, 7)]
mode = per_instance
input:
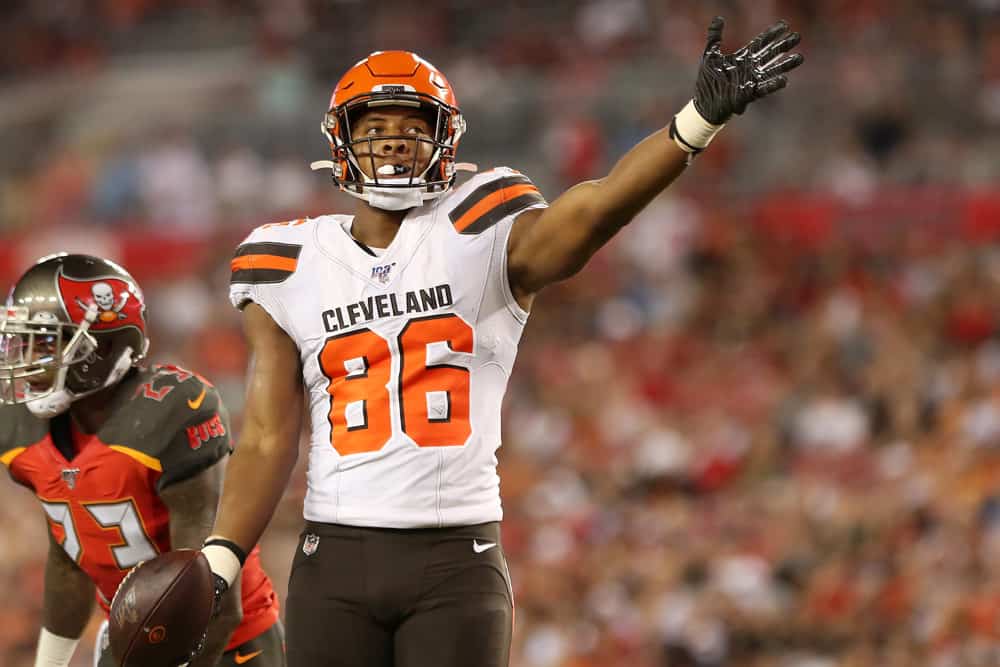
[(222, 561), (53, 650), (692, 132)]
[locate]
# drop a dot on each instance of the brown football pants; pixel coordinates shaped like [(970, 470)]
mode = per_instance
[(377, 597)]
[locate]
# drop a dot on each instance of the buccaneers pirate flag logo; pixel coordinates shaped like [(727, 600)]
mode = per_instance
[(119, 302)]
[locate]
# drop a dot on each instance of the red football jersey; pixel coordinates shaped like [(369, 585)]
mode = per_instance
[(103, 504)]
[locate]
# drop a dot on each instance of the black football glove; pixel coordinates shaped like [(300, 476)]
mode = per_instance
[(728, 82)]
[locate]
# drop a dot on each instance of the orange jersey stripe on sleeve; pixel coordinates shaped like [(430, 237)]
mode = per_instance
[(491, 201), (263, 262)]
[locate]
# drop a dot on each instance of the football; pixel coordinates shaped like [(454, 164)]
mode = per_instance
[(161, 610)]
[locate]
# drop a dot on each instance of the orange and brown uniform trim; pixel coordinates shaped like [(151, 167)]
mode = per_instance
[(267, 262), (490, 203)]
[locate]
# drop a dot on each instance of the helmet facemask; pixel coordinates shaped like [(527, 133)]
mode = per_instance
[(36, 355), (384, 190)]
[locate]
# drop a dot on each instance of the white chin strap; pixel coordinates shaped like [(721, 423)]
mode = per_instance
[(393, 199), (387, 199), (50, 405), (60, 398), (396, 199)]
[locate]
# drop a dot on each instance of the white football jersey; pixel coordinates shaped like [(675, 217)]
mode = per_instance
[(405, 355)]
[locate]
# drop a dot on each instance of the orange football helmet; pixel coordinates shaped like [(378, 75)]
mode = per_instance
[(393, 78)]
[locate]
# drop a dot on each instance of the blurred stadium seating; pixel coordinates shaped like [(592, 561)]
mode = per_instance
[(761, 429)]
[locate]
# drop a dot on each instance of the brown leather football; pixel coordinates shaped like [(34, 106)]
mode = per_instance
[(161, 610)]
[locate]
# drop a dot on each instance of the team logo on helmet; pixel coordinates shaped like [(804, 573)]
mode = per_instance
[(119, 303)]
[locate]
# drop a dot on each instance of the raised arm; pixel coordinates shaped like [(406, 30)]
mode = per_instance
[(68, 603), (259, 470), (553, 244), (192, 504)]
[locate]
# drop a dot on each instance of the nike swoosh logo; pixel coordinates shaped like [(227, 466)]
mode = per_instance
[(240, 659), (481, 547), (194, 405)]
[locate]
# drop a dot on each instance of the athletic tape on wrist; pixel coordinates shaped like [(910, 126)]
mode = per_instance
[(229, 544), (224, 557), (54, 650), (690, 131)]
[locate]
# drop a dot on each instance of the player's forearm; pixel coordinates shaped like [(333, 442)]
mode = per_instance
[(68, 617), (264, 459), (255, 480), (192, 504), (585, 217), (638, 177), (68, 597), (553, 245), (598, 209)]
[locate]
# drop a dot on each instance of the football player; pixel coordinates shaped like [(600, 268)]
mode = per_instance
[(127, 461), (398, 327)]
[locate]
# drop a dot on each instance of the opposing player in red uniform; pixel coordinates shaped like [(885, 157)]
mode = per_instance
[(398, 327), (127, 461)]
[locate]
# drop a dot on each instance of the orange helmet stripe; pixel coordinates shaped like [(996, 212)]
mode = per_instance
[(401, 68)]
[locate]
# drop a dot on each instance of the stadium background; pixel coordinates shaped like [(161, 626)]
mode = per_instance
[(761, 428)]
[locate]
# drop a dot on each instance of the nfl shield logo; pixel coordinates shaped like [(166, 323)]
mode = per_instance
[(69, 476), (310, 544)]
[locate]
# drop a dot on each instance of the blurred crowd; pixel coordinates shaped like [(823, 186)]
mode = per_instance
[(761, 429)]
